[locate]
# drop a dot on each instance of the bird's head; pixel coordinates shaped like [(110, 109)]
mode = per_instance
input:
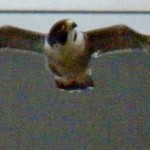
[(60, 31)]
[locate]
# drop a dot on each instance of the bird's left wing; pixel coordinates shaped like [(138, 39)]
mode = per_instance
[(113, 38)]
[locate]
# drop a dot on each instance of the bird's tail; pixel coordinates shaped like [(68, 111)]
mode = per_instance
[(83, 81)]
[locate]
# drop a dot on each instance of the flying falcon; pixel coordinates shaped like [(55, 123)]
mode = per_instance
[(69, 51)]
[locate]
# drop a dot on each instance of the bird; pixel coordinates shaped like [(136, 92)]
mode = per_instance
[(69, 51)]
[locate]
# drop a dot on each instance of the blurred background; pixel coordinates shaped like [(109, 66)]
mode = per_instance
[(34, 114)]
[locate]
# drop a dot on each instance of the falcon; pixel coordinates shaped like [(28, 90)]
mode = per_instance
[(69, 51)]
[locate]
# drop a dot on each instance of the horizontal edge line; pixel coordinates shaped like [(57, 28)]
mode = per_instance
[(75, 11)]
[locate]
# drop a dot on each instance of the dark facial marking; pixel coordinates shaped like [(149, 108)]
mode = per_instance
[(58, 33), (75, 36), (57, 36)]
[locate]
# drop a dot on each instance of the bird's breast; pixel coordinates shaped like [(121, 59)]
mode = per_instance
[(70, 62), (67, 59)]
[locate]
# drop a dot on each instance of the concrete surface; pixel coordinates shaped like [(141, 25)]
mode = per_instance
[(34, 114)]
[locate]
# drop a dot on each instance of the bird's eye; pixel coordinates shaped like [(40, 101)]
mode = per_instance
[(61, 28)]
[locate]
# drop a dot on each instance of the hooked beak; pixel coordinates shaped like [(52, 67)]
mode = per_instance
[(71, 24)]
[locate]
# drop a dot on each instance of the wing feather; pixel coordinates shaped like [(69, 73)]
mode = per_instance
[(117, 37), (13, 37)]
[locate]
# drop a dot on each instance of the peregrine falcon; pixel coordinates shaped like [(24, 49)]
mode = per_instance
[(69, 51)]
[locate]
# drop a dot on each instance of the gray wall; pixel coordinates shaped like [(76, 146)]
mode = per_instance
[(34, 114)]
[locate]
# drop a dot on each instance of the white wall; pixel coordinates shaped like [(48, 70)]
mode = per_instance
[(102, 5)]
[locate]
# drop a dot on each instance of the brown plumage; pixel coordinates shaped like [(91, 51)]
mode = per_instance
[(14, 37), (69, 51), (115, 38)]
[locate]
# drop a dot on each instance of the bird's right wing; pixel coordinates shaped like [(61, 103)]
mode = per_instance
[(13, 37), (119, 37)]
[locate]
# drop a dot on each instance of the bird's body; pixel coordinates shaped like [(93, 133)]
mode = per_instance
[(69, 51), (70, 61)]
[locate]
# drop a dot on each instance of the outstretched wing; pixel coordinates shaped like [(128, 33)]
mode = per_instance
[(117, 37), (12, 37)]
